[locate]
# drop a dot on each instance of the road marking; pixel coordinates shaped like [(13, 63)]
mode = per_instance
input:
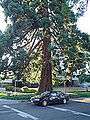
[(1, 112), (68, 110), (20, 113)]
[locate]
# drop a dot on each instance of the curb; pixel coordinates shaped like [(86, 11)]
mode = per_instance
[(83, 100)]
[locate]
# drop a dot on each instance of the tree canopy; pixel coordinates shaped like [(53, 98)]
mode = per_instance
[(42, 25)]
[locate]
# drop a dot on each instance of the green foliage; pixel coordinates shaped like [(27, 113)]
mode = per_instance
[(29, 90), (33, 71), (84, 78), (22, 96), (19, 60), (28, 16), (57, 83), (2, 94), (79, 94), (9, 88)]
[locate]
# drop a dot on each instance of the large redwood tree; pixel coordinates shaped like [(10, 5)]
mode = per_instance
[(38, 23)]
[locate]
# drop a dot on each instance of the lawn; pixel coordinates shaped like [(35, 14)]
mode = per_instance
[(16, 96), (2, 94), (26, 96), (75, 91), (80, 94)]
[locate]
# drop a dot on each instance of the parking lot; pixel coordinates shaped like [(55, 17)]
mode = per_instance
[(17, 110)]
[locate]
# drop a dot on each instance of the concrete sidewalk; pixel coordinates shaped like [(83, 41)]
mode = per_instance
[(85, 100)]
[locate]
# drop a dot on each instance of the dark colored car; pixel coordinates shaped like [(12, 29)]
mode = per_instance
[(48, 98)]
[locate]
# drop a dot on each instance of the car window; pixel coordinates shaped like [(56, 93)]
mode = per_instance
[(45, 94)]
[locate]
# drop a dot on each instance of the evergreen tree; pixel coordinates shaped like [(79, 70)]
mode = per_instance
[(36, 23)]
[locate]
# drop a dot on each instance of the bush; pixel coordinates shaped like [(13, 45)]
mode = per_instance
[(32, 90), (25, 89), (84, 78), (58, 83), (2, 94), (16, 97), (9, 88)]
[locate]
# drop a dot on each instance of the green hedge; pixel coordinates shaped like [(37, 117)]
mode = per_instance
[(29, 90)]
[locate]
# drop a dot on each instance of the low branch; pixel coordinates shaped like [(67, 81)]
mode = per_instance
[(29, 39), (32, 49)]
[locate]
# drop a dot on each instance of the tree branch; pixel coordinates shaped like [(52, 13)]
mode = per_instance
[(32, 48), (30, 39)]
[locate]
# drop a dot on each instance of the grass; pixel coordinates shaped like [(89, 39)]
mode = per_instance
[(74, 91), (19, 96), (2, 94), (80, 94), (26, 96)]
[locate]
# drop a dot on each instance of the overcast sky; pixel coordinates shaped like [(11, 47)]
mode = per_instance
[(83, 22), (2, 22)]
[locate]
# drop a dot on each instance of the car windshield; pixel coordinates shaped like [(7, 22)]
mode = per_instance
[(53, 94), (45, 94)]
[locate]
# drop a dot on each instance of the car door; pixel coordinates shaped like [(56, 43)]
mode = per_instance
[(53, 98)]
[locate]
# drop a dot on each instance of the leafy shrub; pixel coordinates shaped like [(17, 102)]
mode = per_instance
[(17, 97), (84, 78), (25, 89), (2, 94), (58, 83), (32, 90), (9, 88)]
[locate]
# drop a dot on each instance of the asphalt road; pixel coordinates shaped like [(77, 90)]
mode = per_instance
[(13, 110)]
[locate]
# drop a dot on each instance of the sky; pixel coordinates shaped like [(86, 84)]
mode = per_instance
[(83, 22), (2, 22)]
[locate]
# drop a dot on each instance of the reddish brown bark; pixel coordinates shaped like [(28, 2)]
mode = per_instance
[(46, 73)]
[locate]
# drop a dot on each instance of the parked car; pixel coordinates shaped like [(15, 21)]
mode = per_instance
[(48, 98)]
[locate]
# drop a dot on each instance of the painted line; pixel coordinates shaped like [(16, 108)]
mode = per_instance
[(71, 111), (1, 112), (22, 114)]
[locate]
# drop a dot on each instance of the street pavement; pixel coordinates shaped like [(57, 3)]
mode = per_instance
[(17, 110)]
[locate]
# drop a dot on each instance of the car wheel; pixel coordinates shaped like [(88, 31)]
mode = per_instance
[(44, 103), (64, 101)]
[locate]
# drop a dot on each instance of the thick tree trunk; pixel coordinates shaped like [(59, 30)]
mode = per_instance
[(46, 73)]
